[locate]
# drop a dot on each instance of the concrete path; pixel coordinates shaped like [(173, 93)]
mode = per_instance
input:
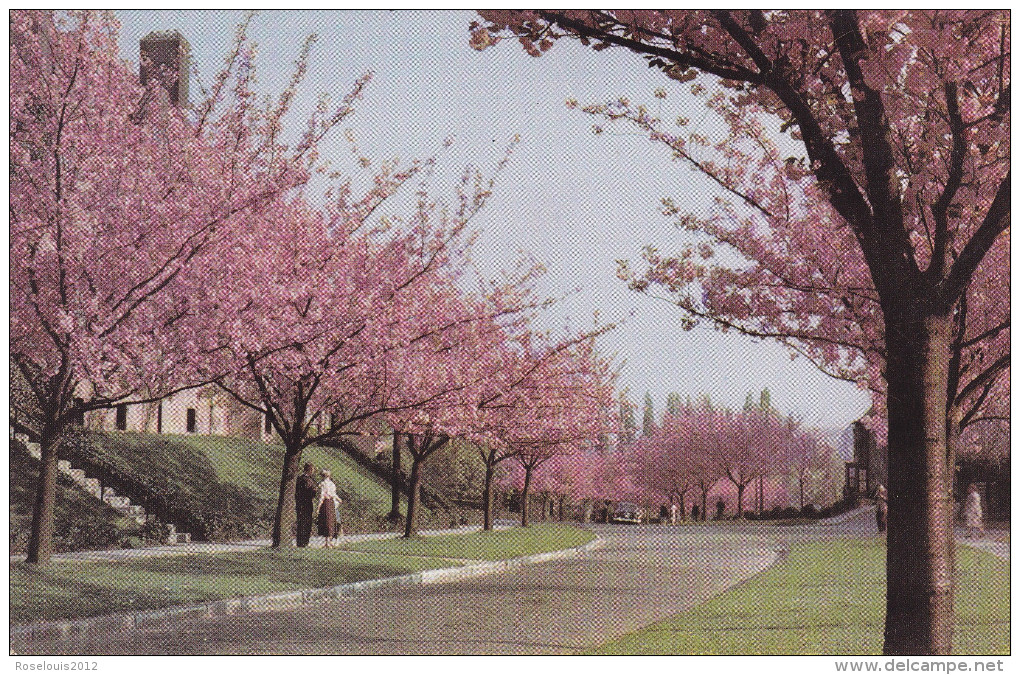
[(639, 575)]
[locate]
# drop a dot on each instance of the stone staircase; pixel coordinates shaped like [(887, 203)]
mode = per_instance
[(119, 503)]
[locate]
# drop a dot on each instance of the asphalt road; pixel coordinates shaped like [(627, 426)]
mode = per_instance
[(639, 575)]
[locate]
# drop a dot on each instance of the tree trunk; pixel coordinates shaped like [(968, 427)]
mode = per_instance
[(285, 513), (683, 511), (395, 482), (40, 545), (761, 494), (740, 500), (545, 507), (413, 498), (524, 496), (704, 506), (919, 600), (487, 497)]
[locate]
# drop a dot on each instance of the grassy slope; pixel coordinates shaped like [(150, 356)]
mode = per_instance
[(257, 465), (79, 518), (826, 598), (202, 468), (77, 589)]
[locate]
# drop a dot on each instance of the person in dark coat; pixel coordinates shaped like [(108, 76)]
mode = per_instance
[(304, 497), (881, 507)]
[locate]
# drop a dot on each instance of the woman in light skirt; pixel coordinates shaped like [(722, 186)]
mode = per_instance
[(329, 504)]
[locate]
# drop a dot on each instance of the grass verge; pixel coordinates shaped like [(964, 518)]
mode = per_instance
[(493, 545), (75, 589), (825, 598), (72, 590)]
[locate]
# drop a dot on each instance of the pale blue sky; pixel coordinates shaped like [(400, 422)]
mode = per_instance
[(573, 200)]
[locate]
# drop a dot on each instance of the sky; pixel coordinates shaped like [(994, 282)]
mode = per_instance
[(571, 199)]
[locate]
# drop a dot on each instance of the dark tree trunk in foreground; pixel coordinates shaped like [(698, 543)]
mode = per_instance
[(395, 481), (40, 546), (411, 522), (487, 497), (524, 496), (919, 564), (421, 448), (286, 516), (740, 500), (683, 511)]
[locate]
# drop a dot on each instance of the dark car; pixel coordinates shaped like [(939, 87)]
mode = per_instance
[(626, 512)]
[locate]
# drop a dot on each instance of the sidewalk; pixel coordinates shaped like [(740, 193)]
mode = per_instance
[(194, 547), (988, 543)]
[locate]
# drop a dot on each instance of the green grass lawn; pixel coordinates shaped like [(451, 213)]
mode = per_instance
[(826, 598), (493, 545), (63, 590), (66, 590)]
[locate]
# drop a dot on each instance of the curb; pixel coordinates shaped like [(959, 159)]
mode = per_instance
[(23, 636)]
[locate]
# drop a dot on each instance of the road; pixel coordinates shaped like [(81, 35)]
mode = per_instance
[(639, 575)]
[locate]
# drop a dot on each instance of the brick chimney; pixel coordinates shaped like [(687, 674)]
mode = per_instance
[(165, 56)]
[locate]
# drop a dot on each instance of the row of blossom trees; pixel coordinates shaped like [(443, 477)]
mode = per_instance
[(698, 446), (697, 449), (157, 247)]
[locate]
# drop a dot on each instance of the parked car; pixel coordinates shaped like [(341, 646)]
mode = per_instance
[(626, 512)]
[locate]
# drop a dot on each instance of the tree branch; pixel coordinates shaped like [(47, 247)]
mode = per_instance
[(995, 223)]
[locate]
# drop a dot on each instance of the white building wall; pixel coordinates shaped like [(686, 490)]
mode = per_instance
[(214, 414)]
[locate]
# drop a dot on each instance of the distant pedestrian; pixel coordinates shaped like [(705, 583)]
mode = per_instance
[(720, 508), (972, 514), (329, 503), (672, 514), (881, 507), (694, 513), (304, 494)]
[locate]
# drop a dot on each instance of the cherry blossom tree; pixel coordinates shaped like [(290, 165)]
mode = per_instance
[(567, 411), (531, 366), (807, 457), (344, 321), (904, 121), (664, 462), (119, 201)]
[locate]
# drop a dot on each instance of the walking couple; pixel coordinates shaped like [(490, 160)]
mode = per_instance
[(326, 508)]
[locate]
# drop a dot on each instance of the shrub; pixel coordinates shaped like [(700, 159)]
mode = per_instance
[(809, 511), (789, 512)]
